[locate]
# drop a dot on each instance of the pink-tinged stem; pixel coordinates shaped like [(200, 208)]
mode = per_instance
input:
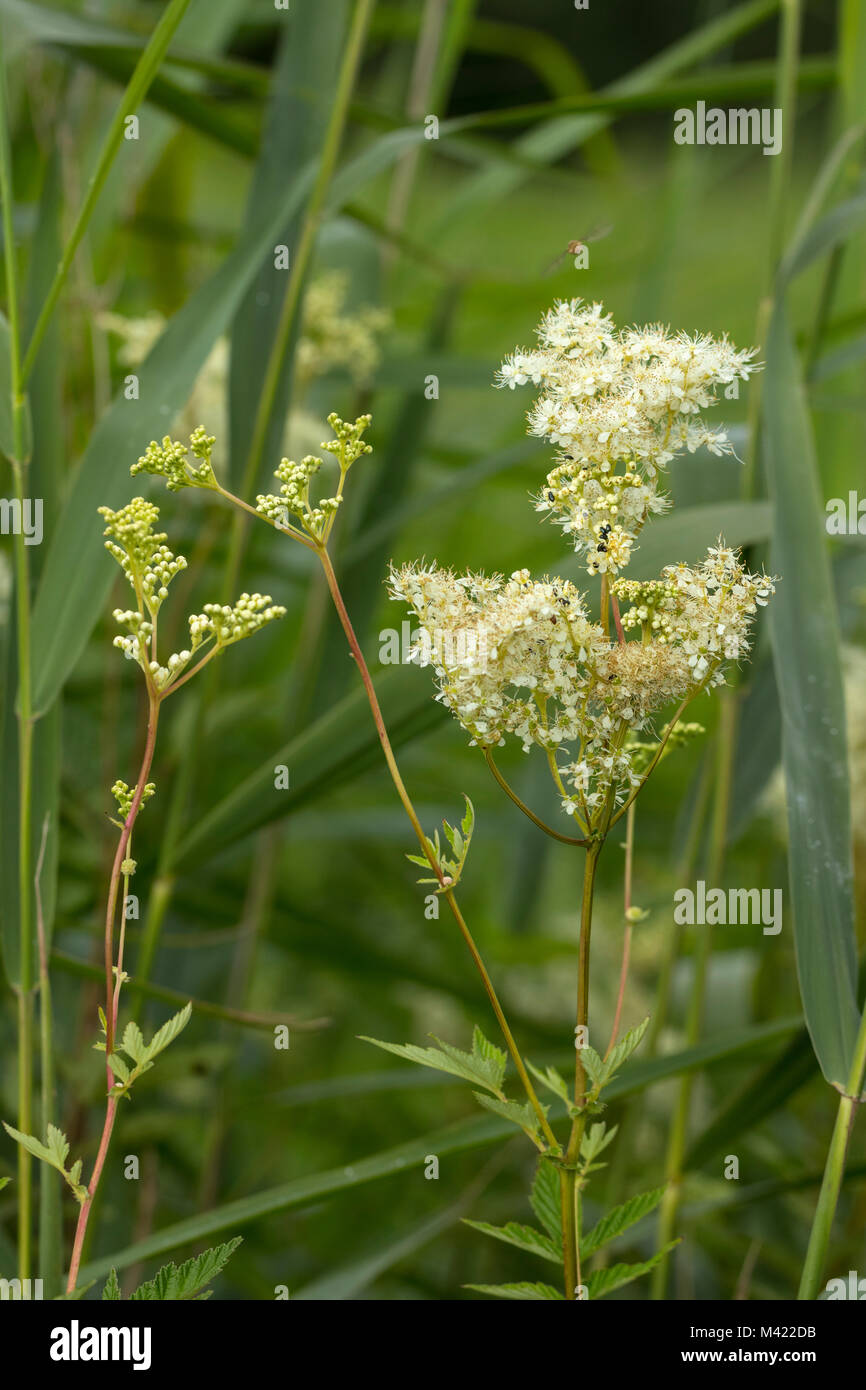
[(120, 854), (112, 989), (84, 1213), (617, 620)]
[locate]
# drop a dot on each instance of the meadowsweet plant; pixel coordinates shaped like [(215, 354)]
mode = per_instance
[(524, 658), (149, 567), (533, 664)]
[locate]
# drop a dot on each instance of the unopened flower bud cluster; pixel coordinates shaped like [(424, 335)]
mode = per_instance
[(170, 460), (125, 795), (315, 517), (150, 566)]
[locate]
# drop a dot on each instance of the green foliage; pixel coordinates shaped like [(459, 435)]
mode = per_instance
[(601, 1071), (483, 1066), (553, 1081), (527, 1292), (619, 1220), (545, 1199), (53, 1152), (604, 1281), (178, 1282), (459, 840), (523, 1237), (140, 1053), (595, 1140), (516, 1113)]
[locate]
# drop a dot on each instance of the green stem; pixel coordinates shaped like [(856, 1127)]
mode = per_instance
[(24, 711), (569, 1232), (509, 792), (50, 1235), (834, 1172), (145, 71), (569, 1180), (408, 807), (679, 1130)]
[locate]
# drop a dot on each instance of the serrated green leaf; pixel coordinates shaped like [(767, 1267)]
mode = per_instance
[(524, 1237), (604, 1281), (119, 1067), (473, 1066), (546, 1199), (530, 1292), (518, 1114), (167, 1033), (490, 1055), (133, 1042), (624, 1048), (551, 1078), (111, 1292), (54, 1153), (58, 1146), (32, 1145), (619, 1220), (595, 1140), (593, 1066), (476, 1132), (183, 1282)]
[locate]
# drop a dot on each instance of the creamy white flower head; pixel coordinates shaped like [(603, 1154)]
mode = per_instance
[(620, 404), (520, 657), (706, 610)]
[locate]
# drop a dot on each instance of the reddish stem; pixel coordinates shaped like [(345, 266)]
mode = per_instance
[(112, 989), (617, 620), (84, 1213)]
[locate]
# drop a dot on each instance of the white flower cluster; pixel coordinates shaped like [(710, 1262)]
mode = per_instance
[(707, 611), (620, 403), (602, 512), (521, 657), (712, 610)]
